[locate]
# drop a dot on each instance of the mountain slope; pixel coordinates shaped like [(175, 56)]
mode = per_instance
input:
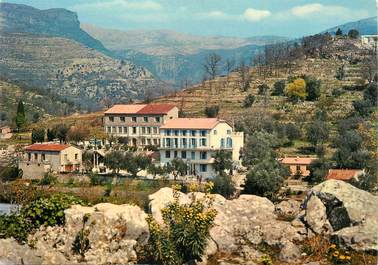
[(367, 26), (69, 69), (57, 22), (169, 42)]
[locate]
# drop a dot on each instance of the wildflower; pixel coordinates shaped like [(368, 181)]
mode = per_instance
[(342, 257)]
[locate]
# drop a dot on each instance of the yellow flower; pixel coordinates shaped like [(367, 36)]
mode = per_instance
[(333, 246), (342, 257), (348, 257)]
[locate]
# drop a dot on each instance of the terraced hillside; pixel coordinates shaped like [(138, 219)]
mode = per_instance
[(69, 69), (337, 95)]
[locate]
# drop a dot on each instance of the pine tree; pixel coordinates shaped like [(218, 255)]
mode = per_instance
[(20, 116), (339, 32)]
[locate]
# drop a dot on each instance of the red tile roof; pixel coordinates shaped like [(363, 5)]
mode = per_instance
[(141, 109), (296, 160), (156, 109), (343, 174), (125, 109), (191, 123), (47, 147)]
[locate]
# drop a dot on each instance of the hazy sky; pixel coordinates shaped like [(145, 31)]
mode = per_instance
[(293, 18)]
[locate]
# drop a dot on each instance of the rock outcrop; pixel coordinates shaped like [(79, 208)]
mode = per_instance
[(113, 233), (242, 225), (349, 214)]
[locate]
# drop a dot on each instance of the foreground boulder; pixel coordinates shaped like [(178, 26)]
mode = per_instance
[(241, 225), (348, 214), (113, 233)]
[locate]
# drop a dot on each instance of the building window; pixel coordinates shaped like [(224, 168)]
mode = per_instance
[(157, 119), (184, 142), (114, 129), (222, 143), (155, 142), (229, 142), (155, 130), (167, 154), (193, 132), (123, 119), (76, 156), (177, 133), (183, 154), (134, 119), (175, 142), (203, 132), (203, 141), (111, 119), (124, 130), (43, 157), (184, 132), (143, 141), (148, 141), (215, 132), (228, 131), (175, 154), (193, 155), (203, 155), (143, 130), (120, 129), (134, 130), (145, 119), (29, 156), (149, 130), (203, 168), (109, 129), (193, 143), (298, 168), (168, 132)]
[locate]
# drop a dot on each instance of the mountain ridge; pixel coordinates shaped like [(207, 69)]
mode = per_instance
[(366, 26)]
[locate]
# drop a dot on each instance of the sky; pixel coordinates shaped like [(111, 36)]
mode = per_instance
[(239, 18)]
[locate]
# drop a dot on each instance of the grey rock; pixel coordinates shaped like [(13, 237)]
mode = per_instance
[(288, 208), (289, 252), (316, 216)]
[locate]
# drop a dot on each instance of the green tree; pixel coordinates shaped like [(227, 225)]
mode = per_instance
[(38, 135), (292, 131), (20, 115), (259, 146), (51, 135), (353, 34), (224, 185), (114, 160), (248, 101), (177, 167), (339, 32), (265, 178), (279, 88), (222, 161), (318, 170), (60, 131), (212, 111), (313, 88), (317, 132)]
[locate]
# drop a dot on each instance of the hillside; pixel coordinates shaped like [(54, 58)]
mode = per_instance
[(34, 101), (57, 22), (367, 26), (176, 57), (69, 69), (337, 95)]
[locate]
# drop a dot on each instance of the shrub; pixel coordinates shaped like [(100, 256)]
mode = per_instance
[(224, 185), (263, 89), (353, 34), (81, 242), (185, 232), (13, 225), (48, 211), (248, 101), (312, 88), (48, 179), (10, 173), (212, 111), (279, 88), (296, 90)]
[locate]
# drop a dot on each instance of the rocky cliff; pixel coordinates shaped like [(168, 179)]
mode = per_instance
[(57, 22)]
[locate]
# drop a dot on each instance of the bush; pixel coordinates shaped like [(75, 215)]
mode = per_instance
[(296, 90), (263, 89), (10, 173), (312, 88), (48, 179), (224, 185), (48, 211), (185, 232), (279, 88), (212, 111), (248, 101), (13, 225)]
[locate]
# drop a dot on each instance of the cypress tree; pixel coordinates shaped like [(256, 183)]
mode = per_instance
[(20, 116)]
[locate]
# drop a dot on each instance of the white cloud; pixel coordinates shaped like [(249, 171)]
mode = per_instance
[(306, 9), (251, 14), (319, 10), (119, 4)]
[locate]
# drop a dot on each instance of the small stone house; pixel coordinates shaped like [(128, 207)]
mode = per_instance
[(298, 165), (50, 157)]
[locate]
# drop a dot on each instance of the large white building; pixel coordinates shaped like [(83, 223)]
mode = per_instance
[(139, 123), (195, 140)]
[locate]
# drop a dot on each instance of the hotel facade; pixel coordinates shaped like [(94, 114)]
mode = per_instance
[(196, 140), (140, 123)]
